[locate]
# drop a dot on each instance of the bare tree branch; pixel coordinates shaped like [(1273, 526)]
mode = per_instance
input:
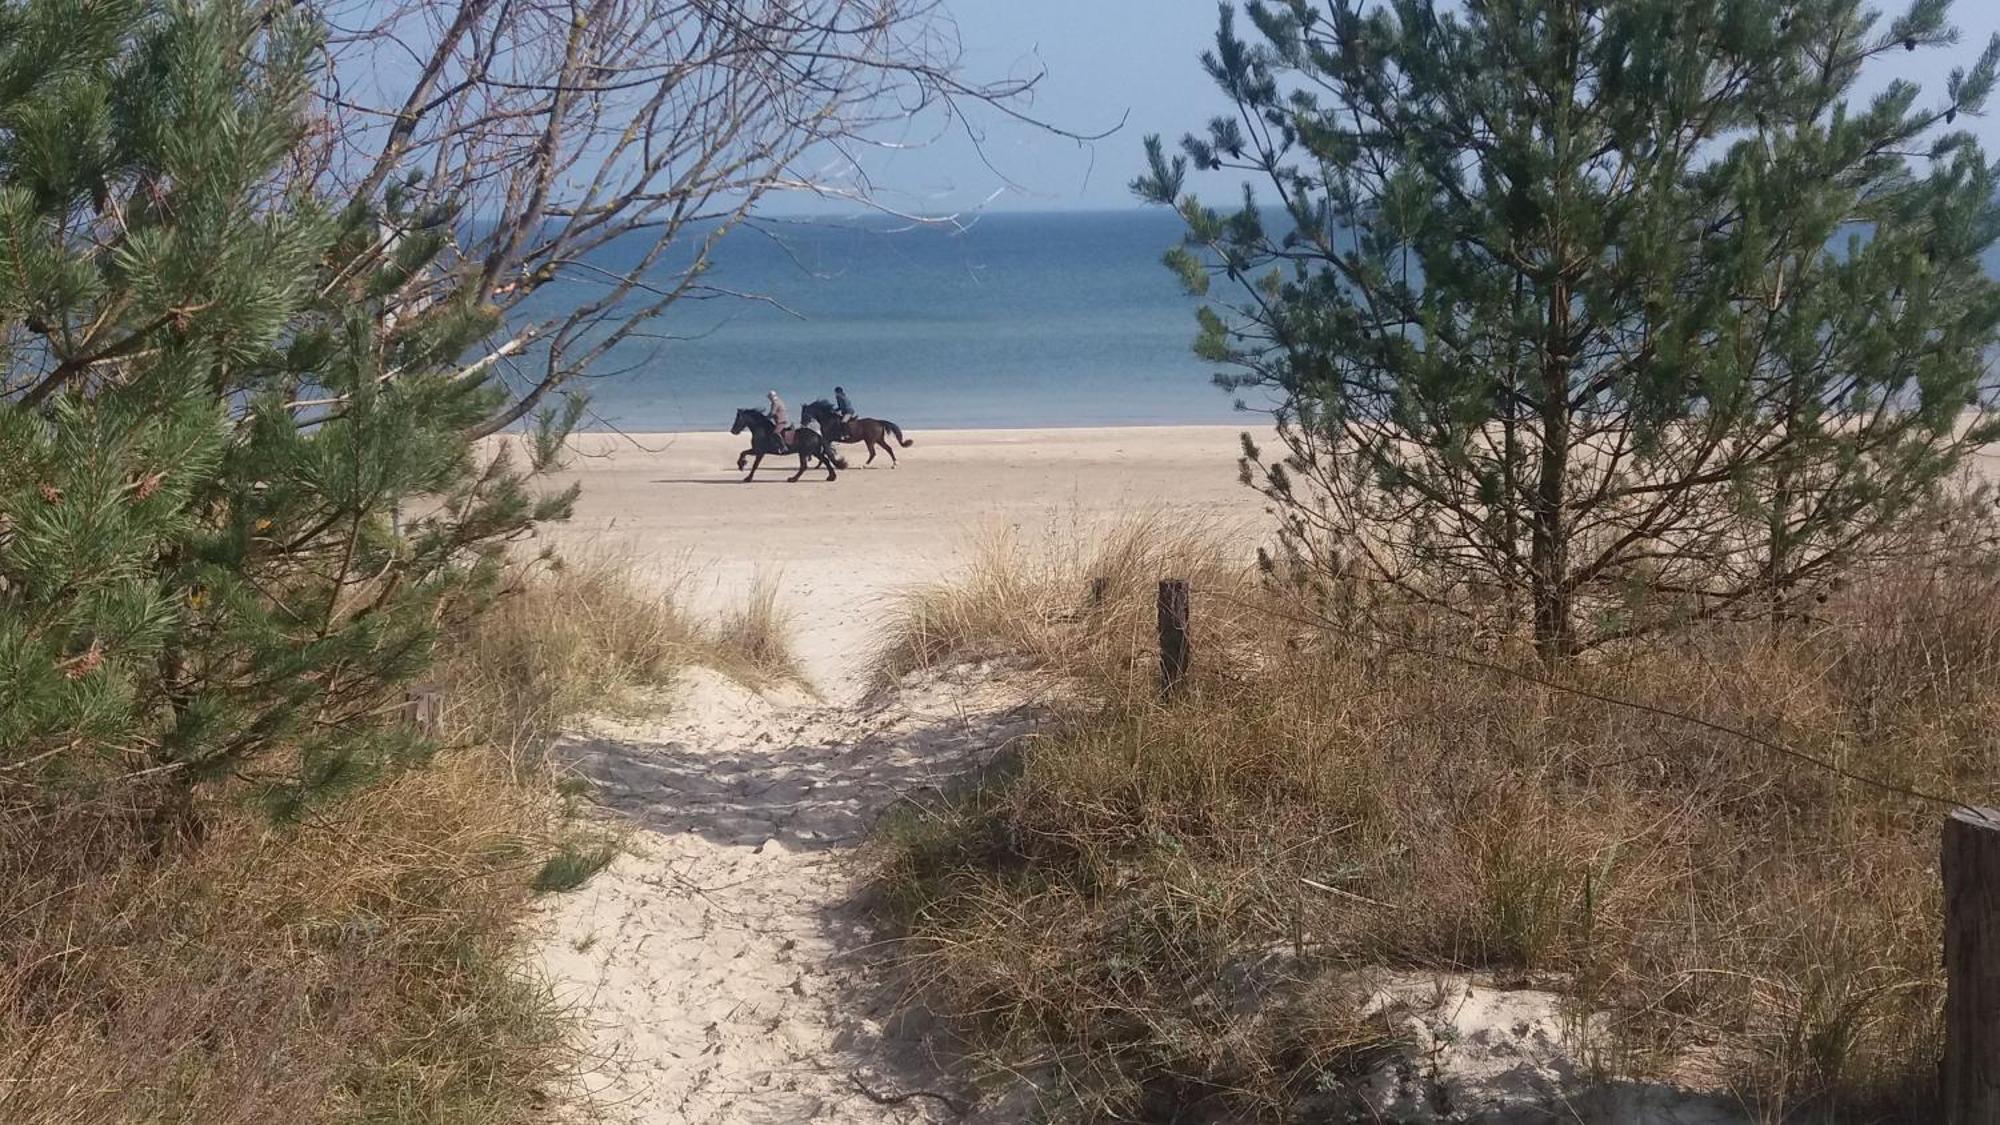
[(622, 138)]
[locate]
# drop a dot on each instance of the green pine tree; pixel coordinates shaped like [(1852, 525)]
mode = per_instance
[(209, 423), (1601, 314)]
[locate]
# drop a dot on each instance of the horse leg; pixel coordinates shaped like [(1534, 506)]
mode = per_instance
[(794, 478), (753, 466), (889, 447), (742, 457), (871, 451)]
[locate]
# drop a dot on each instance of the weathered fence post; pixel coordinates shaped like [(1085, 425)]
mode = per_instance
[(1971, 866), (1173, 634), (424, 710)]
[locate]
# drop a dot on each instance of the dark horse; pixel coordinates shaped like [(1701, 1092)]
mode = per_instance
[(874, 431), (764, 442)]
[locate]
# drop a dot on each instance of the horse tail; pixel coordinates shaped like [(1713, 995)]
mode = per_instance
[(898, 431)]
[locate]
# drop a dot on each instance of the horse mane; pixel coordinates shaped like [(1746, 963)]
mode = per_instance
[(820, 403)]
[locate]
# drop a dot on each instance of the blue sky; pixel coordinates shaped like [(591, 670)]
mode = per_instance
[(1137, 59), (1104, 60)]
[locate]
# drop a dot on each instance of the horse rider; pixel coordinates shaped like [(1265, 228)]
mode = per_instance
[(841, 406), (780, 420)]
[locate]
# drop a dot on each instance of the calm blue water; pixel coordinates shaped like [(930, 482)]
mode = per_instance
[(1064, 319), (1021, 320)]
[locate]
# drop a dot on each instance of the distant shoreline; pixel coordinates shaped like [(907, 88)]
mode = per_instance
[(1262, 425)]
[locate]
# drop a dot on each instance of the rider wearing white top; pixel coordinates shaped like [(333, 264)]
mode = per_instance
[(779, 418)]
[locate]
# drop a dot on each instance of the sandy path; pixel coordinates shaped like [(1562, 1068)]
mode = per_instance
[(722, 968)]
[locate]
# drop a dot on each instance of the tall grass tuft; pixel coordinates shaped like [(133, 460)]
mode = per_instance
[(754, 640), (1035, 603), (581, 635), (591, 634)]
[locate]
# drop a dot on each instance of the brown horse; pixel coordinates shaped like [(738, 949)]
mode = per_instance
[(874, 431)]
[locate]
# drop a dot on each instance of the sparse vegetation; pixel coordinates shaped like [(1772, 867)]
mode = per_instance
[(1159, 908), (753, 641), (590, 633), (562, 638), (1033, 602)]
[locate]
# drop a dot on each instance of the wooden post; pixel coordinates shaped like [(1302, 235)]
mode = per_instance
[(424, 710), (1173, 634), (1971, 868)]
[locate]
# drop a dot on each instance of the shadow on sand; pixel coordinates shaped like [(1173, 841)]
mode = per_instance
[(814, 780), (735, 480), (807, 794)]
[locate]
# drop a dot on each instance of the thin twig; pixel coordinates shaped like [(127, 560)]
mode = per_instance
[(957, 1107)]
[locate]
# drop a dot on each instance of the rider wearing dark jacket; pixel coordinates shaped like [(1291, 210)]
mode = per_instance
[(841, 406)]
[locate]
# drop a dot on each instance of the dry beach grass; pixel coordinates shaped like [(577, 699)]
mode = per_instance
[(1165, 908)]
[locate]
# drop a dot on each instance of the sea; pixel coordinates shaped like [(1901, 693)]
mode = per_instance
[(1009, 320), (1006, 320)]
